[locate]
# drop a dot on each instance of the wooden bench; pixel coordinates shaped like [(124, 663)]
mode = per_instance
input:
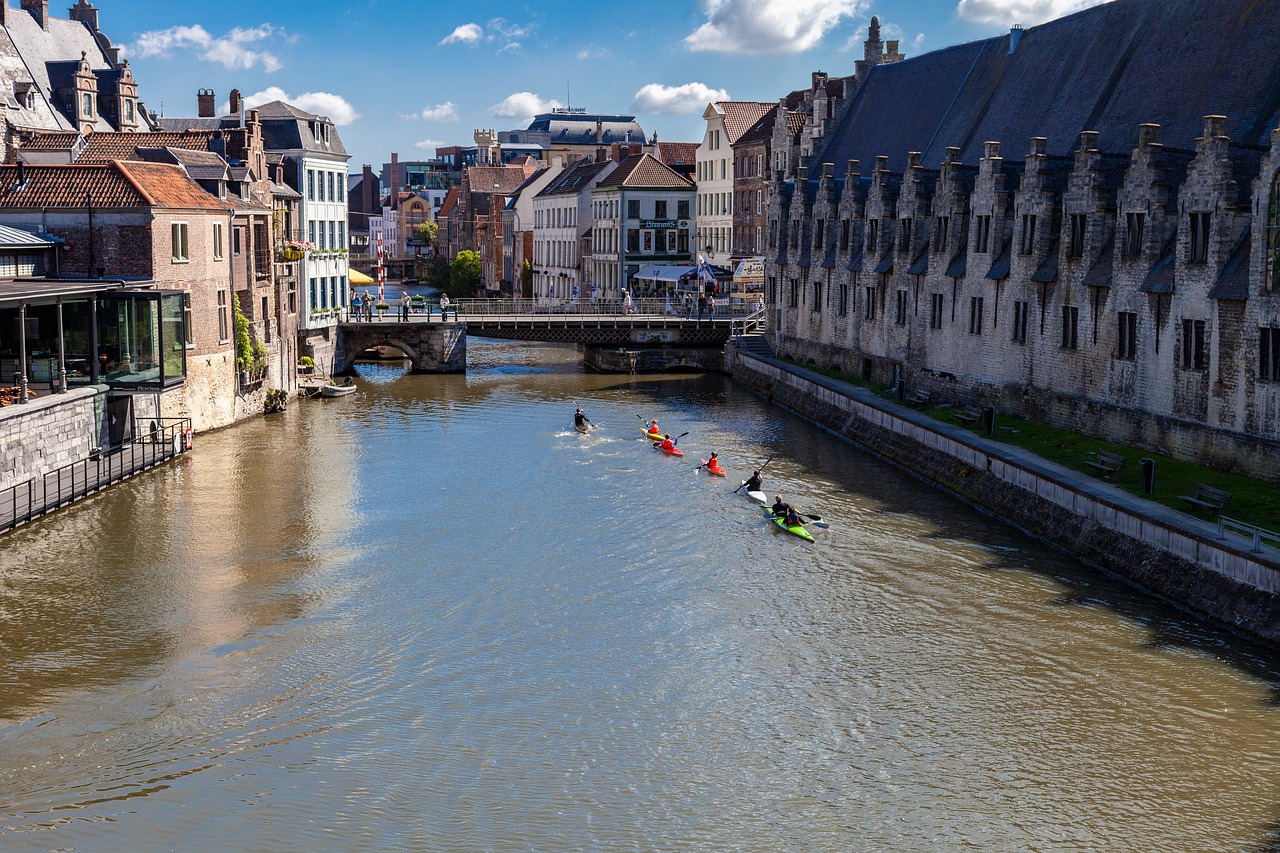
[(1104, 463), (919, 398), (968, 414), (1208, 497)]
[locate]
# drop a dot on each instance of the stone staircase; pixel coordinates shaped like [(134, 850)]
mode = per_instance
[(756, 345)]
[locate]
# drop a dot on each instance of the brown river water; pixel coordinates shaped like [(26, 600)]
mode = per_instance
[(430, 616)]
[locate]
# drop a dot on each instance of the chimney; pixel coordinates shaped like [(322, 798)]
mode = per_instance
[(1015, 36), (84, 12), (218, 144), (39, 10), (235, 103), (1089, 140), (1215, 127), (953, 154), (205, 107), (395, 181), (851, 169), (366, 189), (991, 150), (1148, 135), (599, 131)]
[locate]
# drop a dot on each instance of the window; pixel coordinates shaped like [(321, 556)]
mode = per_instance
[(660, 209), (941, 233), (235, 240), (817, 296), (982, 235), (217, 241), (1070, 322), (1269, 354), (1272, 280), (842, 308), (772, 289), (224, 318), (1019, 322), (793, 297), (935, 310), (904, 235), (1133, 228), (128, 110), (844, 234), (1127, 336), (1193, 345), (187, 328), (869, 311), (1079, 223), (1027, 245), (795, 233), (311, 185), (873, 234), (633, 208), (819, 229), (86, 104), (975, 315), (1198, 251), (178, 235), (332, 192), (682, 209), (342, 188), (900, 314)]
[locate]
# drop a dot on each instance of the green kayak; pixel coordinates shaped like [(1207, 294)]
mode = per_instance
[(797, 530)]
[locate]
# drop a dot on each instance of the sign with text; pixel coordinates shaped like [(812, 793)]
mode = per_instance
[(657, 223)]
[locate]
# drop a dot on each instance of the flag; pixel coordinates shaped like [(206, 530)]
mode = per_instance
[(704, 270), (575, 292)]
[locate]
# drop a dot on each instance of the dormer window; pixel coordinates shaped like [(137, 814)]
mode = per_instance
[(128, 109), (86, 105)]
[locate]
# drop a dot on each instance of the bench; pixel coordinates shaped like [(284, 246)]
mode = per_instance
[(1104, 463), (968, 414), (1208, 497), (919, 398)]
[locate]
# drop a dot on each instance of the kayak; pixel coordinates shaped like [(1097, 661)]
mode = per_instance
[(584, 429), (675, 451), (758, 497), (797, 530), (652, 436), (715, 472)]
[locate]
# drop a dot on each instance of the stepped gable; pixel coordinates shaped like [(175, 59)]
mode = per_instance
[(644, 170), (1108, 68)]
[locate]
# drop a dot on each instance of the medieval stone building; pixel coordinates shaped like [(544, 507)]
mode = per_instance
[(1060, 222)]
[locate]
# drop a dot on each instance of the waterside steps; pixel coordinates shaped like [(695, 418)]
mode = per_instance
[(755, 345)]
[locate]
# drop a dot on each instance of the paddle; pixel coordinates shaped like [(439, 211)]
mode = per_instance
[(673, 441), (761, 468)]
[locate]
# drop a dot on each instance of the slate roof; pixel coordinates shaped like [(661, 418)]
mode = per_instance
[(1107, 68), (118, 184), (1000, 266), (30, 53), (740, 116), (1233, 278), (1047, 272), (761, 130), (1099, 275), (287, 128), (573, 180), (1160, 279), (580, 128), (644, 170), (200, 165)]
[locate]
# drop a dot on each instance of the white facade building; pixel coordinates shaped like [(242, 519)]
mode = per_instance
[(726, 122), (562, 217)]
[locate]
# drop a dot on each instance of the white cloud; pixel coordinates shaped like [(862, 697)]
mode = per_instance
[(448, 111), (510, 47), (769, 26), (335, 107), (465, 34), (507, 30), (594, 51), (1003, 13), (237, 49), (676, 100), (522, 105), (429, 144)]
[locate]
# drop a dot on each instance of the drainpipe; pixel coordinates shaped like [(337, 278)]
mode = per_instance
[(22, 353), (95, 375), (88, 198), (231, 274), (62, 352)]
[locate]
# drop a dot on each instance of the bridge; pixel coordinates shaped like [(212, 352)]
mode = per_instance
[(643, 336)]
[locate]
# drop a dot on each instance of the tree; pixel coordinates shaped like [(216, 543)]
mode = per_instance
[(437, 273), (427, 234), (526, 279), (464, 274)]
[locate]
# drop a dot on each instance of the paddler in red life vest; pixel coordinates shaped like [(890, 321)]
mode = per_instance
[(713, 464), (653, 428), (667, 444)]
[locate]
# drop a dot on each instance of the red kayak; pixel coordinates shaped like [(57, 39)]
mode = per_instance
[(675, 451), (717, 471)]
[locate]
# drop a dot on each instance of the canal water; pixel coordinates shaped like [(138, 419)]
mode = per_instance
[(430, 616)]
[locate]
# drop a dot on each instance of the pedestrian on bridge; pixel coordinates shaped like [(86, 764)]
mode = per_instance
[(444, 308), (405, 301)]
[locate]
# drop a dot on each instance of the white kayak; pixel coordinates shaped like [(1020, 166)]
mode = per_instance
[(758, 497)]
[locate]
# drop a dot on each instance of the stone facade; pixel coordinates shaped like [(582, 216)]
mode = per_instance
[(48, 433), (1125, 289)]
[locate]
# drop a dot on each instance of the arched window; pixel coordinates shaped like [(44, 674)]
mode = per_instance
[(1273, 235)]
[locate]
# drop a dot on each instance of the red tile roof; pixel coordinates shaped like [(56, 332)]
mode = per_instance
[(52, 141), (644, 170), (450, 202), (110, 185), (105, 147), (502, 180), (678, 153), (739, 116)]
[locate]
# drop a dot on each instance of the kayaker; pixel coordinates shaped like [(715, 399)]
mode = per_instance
[(667, 444), (653, 428), (793, 518), (579, 419), (713, 464), (780, 507), (755, 482)]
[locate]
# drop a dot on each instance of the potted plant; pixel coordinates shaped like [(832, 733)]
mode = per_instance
[(307, 364), (382, 308)]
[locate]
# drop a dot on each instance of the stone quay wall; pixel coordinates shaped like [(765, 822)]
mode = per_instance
[(47, 433), (1124, 536)]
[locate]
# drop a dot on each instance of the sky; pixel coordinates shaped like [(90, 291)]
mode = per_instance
[(408, 77)]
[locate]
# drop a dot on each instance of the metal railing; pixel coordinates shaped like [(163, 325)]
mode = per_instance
[(641, 310), (161, 440), (1256, 534)]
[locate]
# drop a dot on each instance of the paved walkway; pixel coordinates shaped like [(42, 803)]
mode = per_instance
[(1076, 480)]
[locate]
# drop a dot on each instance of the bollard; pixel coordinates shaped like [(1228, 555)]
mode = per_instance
[(989, 420), (902, 391), (1147, 473)]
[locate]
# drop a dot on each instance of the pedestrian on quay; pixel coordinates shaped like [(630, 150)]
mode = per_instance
[(444, 308), (367, 300)]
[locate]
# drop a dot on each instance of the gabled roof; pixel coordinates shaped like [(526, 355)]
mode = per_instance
[(739, 116), (762, 130), (450, 202), (52, 141), (200, 165), (117, 184), (574, 179), (677, 153), (644, 170), (287, 128), (105, 147), (496, 179)]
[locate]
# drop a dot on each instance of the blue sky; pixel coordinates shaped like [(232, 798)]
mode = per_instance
[(408, 77)]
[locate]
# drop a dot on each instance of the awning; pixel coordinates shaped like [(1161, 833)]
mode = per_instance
[(664, 272), (357, 277)]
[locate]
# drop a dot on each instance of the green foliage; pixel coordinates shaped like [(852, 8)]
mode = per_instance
[(244, 344), (526, 279), (437, 274), (307, 362), (464, 274), (427, 233)]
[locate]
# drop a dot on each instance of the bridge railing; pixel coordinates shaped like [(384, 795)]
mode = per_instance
[(600, 307)]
